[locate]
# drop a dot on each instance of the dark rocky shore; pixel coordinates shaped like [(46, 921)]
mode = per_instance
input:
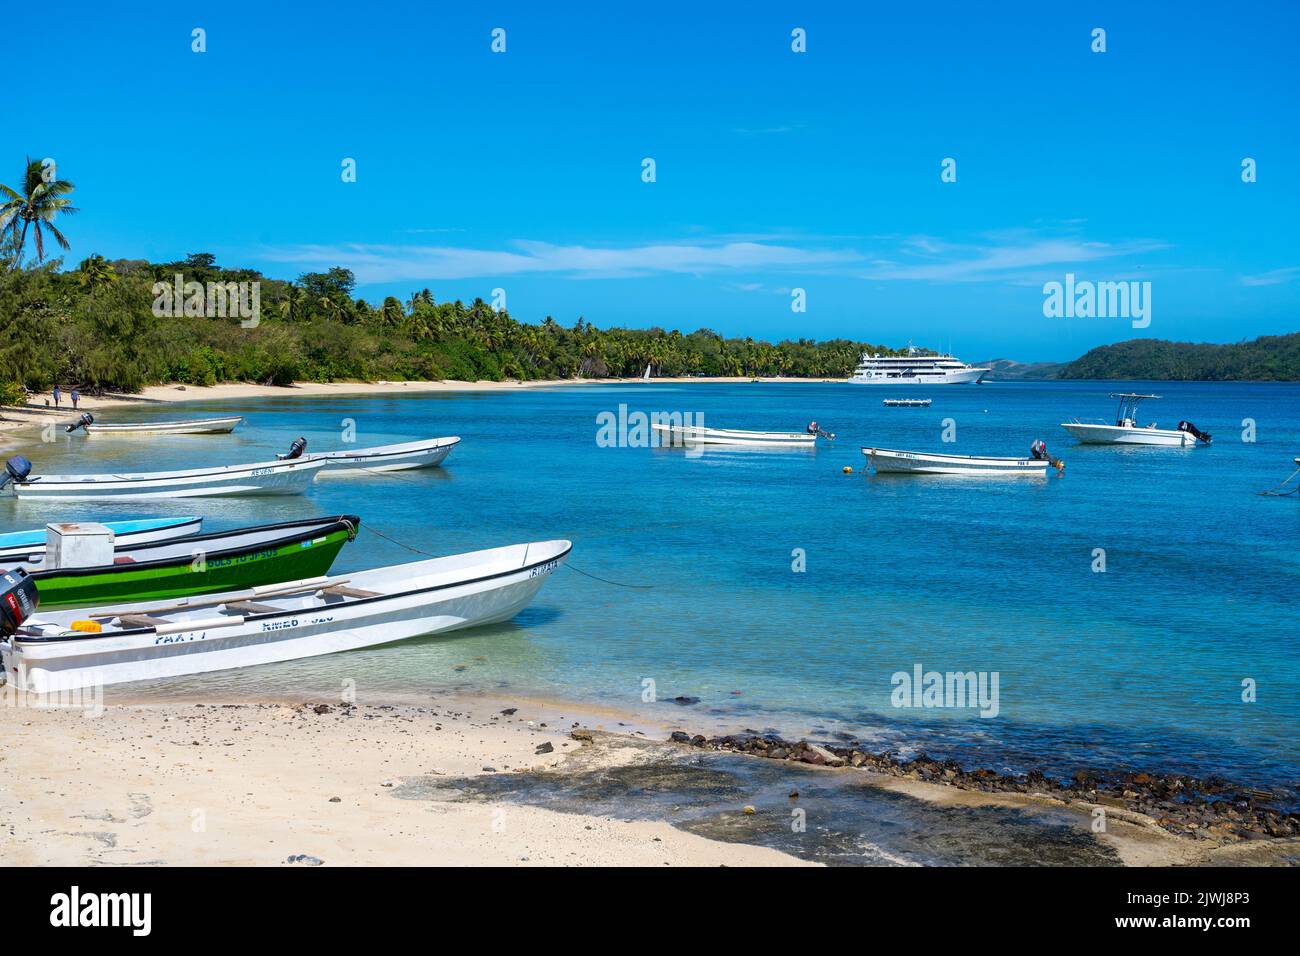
[(1209, 808)]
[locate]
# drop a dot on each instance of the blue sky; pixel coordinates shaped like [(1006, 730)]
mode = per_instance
[(775, 170)]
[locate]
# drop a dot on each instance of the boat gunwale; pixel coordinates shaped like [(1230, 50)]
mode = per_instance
[(903, 453), (181, 423), (350, 523), (17, 638), (109, 478)]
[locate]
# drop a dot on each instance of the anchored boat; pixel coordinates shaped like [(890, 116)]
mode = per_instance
[(907, 402), (195, 426), (894, 461), (698, 435), (202, 564), (18, 545), (65, 650), (261, 478), (1126, 430), (361, 461)]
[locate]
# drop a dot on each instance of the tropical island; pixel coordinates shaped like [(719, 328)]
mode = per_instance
[(100, 327)]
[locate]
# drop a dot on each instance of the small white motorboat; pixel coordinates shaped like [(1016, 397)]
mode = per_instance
[(194, 426), (21, 545), (894, 461), (362, 461), (907, 402), (66, 650), (260, 478), (698, 435), (1126, 430)]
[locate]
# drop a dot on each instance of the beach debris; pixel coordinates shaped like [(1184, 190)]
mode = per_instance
[(336, 799), (509, 711), (685, 701), (489, 769), (580, 734), (545, 748), (387, 783), (749, 809), (322, 709), (304, 860)]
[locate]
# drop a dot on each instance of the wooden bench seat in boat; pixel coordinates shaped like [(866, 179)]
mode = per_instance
[(251, 607), (343, 590), (141, 620)]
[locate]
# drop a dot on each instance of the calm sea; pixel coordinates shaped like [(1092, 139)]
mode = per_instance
[(684, 576)]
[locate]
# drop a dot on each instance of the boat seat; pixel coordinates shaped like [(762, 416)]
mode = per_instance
[(251, 607), (141, 620), (342, 590)]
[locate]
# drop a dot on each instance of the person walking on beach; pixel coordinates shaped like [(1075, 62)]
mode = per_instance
[(57, 395), (76, 397)]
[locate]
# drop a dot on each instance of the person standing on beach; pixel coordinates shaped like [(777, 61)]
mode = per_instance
[(76, 397), (57, 395)]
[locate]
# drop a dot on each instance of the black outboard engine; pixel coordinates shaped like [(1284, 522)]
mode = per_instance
[(85, 419), (1195, 432), (296, 448), (18, 600), (17, 468), (815, 429)]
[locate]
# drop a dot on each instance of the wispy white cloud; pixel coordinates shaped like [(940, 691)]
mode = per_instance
[(1008, 257), (1273, 277), (389, 263), (1001, 259)]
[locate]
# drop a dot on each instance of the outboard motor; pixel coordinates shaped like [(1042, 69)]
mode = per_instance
[(18, 600), (86, 419), (1038, 450), (296, 448), (17, 468), (814, 429), (1195, 432)]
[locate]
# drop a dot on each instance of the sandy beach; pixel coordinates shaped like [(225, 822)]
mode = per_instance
[(40, 410), (255, 783)]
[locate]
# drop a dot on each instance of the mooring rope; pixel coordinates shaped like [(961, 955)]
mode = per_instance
[(1282, 494)]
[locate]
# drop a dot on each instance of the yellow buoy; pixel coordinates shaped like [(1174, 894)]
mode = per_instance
[(848, 470)]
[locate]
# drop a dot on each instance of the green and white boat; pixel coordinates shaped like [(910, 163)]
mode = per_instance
[(200, 564)]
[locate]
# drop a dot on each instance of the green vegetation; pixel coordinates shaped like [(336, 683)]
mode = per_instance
[(1271, 358)]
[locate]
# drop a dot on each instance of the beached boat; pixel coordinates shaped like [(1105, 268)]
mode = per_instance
[(698, 435), (907, 402), (194, 426), (65, 650), (400, 457), (893, 461), (203, 564), (1126, 430), (260, 478), (19, 545)]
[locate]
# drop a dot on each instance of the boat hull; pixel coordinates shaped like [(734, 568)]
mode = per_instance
[(693, 435), (1088, 434), (68, 664), (204, 567), (404, 457), (272, 478), (21, 545), (964, 376), (893, 461), (205, 426)]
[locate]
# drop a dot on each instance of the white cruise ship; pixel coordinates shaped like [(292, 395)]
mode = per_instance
[(915, 369)]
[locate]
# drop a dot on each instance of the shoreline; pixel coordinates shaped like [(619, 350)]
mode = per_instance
[(461, 778)]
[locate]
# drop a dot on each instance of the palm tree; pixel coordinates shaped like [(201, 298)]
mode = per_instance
[(292, 303), (37, 204), (96, 271)]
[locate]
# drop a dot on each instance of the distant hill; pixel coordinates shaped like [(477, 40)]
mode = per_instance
[(1007, 370), (1270, 358)]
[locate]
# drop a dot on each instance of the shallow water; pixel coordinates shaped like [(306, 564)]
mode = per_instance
[(1141, 665)]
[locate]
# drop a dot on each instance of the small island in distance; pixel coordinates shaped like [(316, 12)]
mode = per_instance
[(1269, 358)]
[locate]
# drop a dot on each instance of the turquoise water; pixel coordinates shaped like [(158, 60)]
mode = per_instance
[(1141, 665)]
